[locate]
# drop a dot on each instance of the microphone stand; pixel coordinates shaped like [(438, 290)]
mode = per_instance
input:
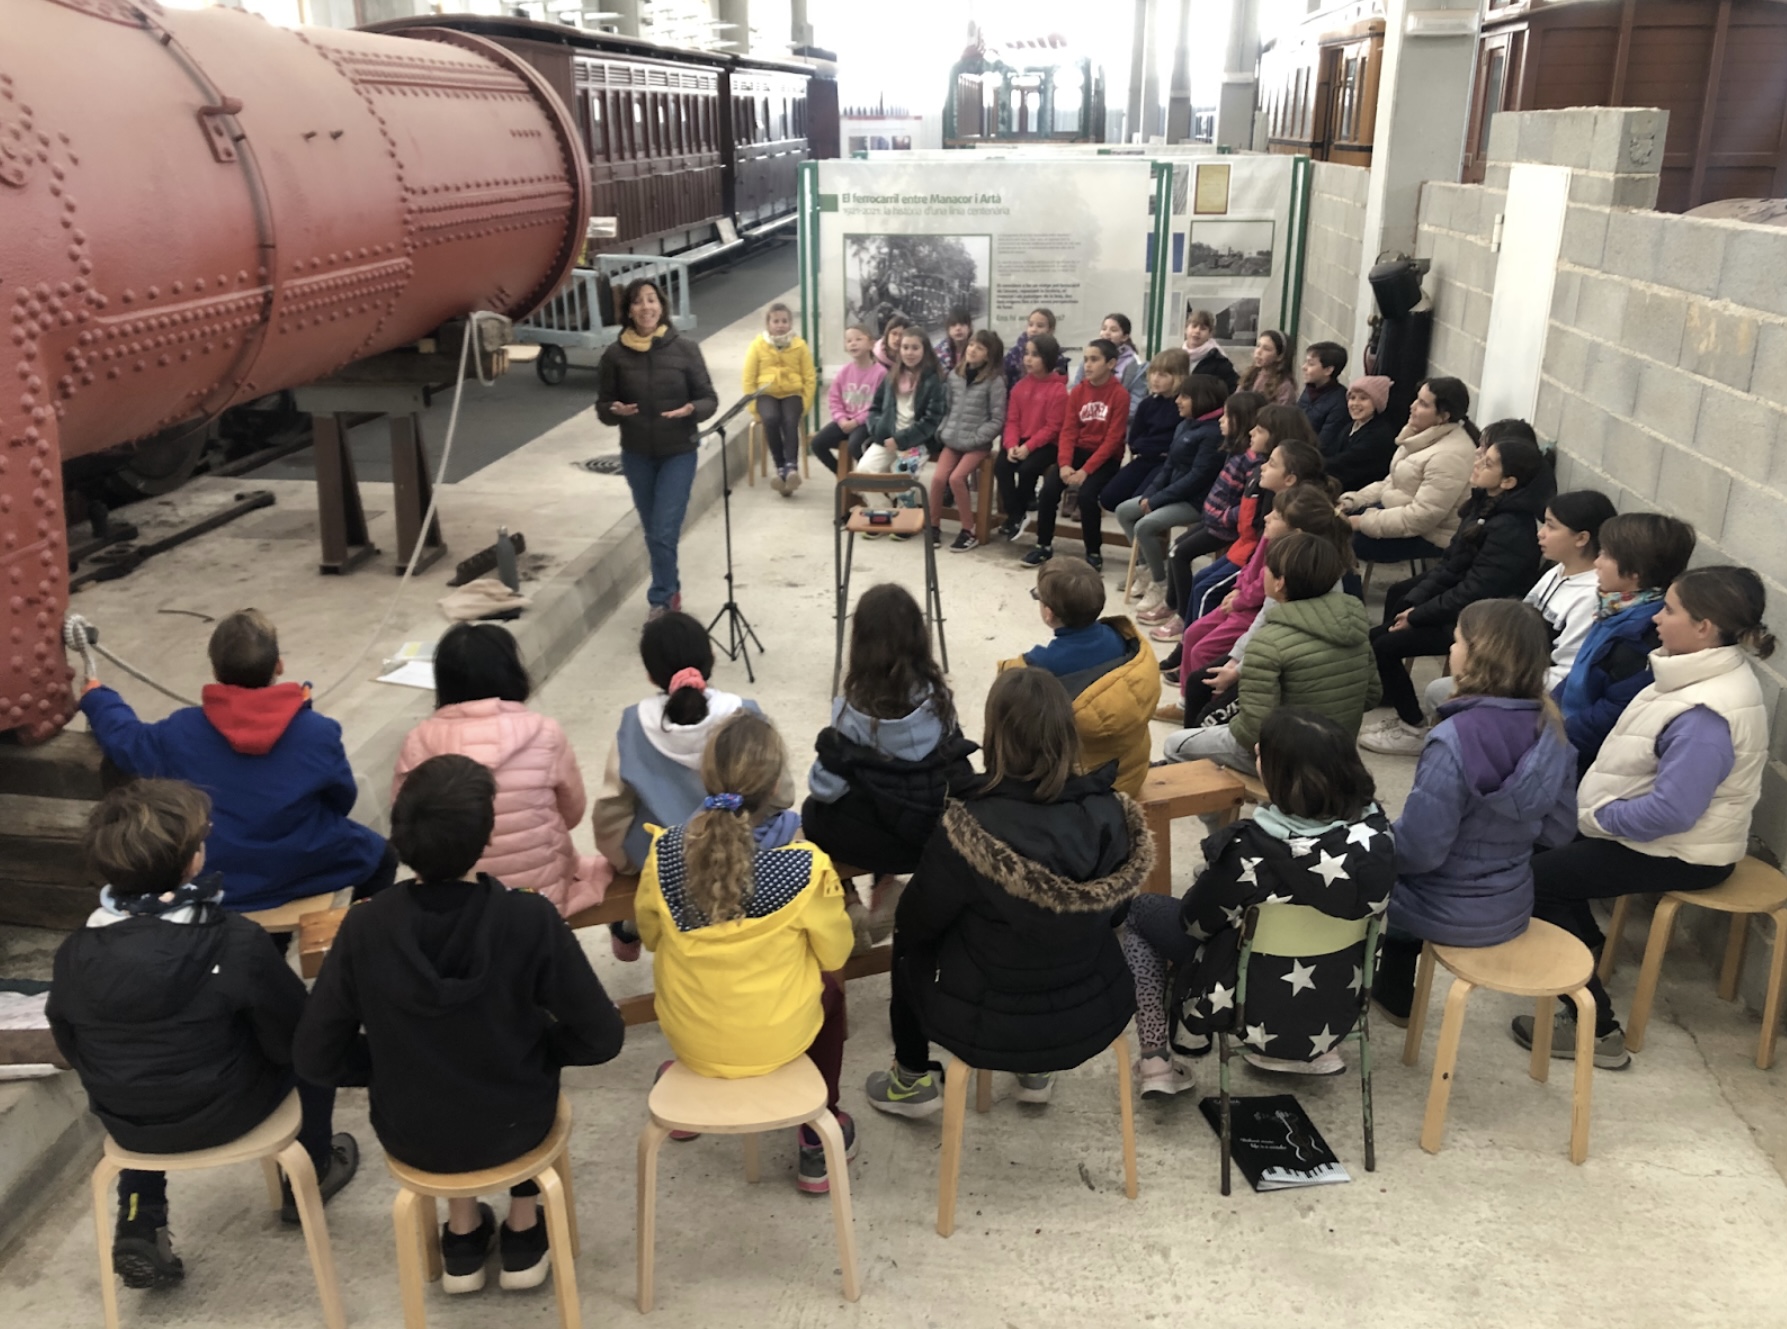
[(739, 632)]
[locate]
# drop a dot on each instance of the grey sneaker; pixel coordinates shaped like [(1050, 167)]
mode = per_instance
[(790, 481), (811, 1178), (1610, 1049), (344, 1161), (1036, 1088), (891, 1092)]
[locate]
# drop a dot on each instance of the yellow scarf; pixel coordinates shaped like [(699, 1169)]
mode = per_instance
[(634, 342)]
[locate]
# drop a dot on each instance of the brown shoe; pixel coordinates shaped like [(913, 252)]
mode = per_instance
[(1171, 713)]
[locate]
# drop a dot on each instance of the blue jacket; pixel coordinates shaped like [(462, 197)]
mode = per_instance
[(1494, 779), (1074, 649), (279, 780), (1328, 416), (1193, 462), (1612, 667)]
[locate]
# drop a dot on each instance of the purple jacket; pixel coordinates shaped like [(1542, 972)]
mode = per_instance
[(1494, 779)]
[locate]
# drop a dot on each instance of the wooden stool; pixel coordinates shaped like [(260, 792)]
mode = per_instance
[(1752, 888), (1183, 789), (287, 917), (1543, 962), (955, 1114), (1129, 576), (757, 451), (417, 1220), (793, 1095), (274, 1143)]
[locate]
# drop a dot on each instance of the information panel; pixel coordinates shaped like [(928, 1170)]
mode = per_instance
[(998, 238)]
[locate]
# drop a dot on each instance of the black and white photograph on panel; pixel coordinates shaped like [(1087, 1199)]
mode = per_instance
[(922, 277), (1230, 249), (1237, 319)]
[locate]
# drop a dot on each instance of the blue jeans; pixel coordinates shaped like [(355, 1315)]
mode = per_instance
[(660, 488)]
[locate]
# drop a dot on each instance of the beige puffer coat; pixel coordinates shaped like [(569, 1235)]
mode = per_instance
[(1429, 478)]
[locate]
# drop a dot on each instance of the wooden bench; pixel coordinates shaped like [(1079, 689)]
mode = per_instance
[(1186, 789), (986, 495)]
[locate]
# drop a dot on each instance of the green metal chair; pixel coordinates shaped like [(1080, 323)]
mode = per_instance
[(1299, 930)]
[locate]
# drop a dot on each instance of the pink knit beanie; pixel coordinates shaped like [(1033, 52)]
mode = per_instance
[(1374, 386)]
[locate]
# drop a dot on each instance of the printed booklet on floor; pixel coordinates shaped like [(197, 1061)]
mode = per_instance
[(1275, 1144)]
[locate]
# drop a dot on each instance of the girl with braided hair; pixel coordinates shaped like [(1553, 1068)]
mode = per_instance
[(746, 924)]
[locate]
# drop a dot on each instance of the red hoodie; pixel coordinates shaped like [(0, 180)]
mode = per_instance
[(1097, 422), (252, 720)]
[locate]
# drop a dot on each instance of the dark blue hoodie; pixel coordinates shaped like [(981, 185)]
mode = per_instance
[(1494, 779)]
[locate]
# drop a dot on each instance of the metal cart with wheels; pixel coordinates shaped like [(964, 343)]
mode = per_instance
[(585, 313), (908, 521)]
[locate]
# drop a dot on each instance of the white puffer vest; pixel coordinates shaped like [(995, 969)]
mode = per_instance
[(1720, 680)]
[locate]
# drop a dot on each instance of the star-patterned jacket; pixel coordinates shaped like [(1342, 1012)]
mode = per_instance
[(1297, 1009)]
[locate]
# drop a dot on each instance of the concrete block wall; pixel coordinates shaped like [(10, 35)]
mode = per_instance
[(1332, 257), (1664, 381), (1456, 223)]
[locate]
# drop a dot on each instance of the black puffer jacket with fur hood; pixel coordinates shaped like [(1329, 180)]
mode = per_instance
[(1006, 932)]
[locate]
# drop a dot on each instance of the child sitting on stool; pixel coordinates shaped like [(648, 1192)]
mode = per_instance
[(746, 923), (471, 998), (1112, 678), (178, 1016), (276, 772)]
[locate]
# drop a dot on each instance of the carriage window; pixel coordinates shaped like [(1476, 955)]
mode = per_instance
[(598, 135)]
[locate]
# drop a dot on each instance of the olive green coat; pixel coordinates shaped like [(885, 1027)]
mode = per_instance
[(1315, 653)]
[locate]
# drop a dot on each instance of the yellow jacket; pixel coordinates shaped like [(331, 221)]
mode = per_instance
[(780, 373), (1112, 708), (741, 998)]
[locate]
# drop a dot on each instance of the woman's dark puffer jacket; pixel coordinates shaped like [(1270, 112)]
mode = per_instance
[(1006, 928), (1493, 556), (670, 375)]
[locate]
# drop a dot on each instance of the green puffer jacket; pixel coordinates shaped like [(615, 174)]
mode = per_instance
[(1314, 652)]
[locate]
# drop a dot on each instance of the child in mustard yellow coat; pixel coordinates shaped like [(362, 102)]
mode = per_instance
[(746, 924), (780, 364)]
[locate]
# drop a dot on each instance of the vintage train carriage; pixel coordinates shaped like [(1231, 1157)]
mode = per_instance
[(689, 151), (768, 105), (1319, 92), (1719, 67)]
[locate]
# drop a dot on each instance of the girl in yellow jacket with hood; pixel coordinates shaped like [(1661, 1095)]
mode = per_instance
[(780, 365), (746, 924)]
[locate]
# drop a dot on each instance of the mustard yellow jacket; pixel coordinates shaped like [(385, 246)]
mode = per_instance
[(1112, 706), (780, 373), (741, 998)]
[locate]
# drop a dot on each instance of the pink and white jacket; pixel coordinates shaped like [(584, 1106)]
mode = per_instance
[(539, 796)]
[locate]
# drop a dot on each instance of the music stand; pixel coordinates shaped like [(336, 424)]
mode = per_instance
[(739, 631)]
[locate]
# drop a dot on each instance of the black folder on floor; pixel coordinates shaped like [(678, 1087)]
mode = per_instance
[(1275, 1144)]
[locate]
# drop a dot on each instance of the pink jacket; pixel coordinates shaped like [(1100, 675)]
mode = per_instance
[(539, 796), (1207, 641)]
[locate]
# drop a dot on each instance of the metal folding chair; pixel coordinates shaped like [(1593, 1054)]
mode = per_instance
[(851, 523), (1299, 930)]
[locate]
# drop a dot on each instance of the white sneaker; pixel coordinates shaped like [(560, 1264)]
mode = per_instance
[(1329, 1063), (1395, 740), (1162, 1077), (1152, 598), (1142, 582)]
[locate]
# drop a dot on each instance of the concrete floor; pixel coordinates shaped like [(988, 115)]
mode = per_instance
[(1672, 1221)]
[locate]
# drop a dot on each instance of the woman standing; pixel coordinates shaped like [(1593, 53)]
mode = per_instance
[(654, 387)]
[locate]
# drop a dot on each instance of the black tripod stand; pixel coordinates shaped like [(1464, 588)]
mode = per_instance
[(740, 635)]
